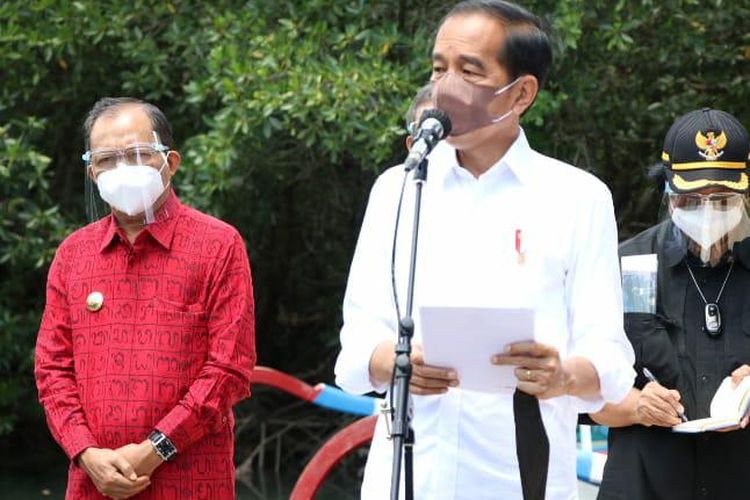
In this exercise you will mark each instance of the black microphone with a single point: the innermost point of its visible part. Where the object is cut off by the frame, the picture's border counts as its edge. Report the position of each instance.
(434, 127)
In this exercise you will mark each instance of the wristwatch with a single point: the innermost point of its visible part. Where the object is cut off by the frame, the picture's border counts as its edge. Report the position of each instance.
(163, 446)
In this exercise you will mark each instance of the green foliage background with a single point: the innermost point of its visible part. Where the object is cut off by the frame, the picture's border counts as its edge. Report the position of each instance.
(285, 112)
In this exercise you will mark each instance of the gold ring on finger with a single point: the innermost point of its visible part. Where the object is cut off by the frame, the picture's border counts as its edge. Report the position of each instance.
(528, 375)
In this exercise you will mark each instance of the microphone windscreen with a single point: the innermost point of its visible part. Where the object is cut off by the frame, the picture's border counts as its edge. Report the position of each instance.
(440, 116)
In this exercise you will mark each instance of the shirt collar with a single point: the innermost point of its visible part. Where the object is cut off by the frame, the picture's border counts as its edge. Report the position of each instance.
(110, 232)
(161, 230)
(516, 159)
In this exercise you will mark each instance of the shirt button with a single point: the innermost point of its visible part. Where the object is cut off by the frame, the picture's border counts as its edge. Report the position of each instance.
(704, 491)
(94, 301)
(704, 378)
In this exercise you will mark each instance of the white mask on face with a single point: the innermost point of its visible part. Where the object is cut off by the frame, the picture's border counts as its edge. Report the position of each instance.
(706, 225)
(131, 189)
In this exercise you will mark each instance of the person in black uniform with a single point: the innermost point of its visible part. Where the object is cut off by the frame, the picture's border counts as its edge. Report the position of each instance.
(700, 331)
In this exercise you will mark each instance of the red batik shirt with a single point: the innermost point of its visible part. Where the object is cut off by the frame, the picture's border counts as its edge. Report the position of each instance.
(172, 347)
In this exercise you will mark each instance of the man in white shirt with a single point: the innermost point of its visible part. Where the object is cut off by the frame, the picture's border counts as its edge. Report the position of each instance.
(501, 226)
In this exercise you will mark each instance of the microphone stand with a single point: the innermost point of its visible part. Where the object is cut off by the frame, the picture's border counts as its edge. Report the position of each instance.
(402, 432)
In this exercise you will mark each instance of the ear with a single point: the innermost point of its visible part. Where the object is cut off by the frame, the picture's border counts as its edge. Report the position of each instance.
(526, 92)
(409, 141)
(173, 162)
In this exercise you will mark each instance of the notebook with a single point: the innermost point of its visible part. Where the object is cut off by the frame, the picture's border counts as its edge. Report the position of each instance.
(728, 406)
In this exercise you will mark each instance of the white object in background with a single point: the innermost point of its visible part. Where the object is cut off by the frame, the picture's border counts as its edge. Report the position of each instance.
(639, 283)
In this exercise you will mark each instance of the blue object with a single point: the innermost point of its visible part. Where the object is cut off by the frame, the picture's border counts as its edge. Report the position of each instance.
(336, 399)
(583, 465)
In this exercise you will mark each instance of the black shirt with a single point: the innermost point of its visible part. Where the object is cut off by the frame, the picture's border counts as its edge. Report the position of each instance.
(653, 462)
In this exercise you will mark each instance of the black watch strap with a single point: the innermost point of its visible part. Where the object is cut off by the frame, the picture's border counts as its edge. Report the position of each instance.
(163, 446)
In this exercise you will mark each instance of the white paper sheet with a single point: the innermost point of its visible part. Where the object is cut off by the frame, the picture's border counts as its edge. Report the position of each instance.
(465, 338)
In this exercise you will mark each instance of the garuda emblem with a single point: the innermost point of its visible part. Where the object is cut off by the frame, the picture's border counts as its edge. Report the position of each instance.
(710, 145)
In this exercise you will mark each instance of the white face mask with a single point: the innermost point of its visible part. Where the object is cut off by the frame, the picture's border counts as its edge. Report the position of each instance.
(706, 225)
(131, 189)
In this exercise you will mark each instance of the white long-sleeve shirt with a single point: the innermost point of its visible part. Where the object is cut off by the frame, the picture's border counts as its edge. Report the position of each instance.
(468, 256)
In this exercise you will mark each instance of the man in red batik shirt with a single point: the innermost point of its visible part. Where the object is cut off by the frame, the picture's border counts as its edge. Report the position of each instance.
(147, 338)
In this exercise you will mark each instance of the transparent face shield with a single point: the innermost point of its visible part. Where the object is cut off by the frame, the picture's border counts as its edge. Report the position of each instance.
(128, 180)
(710, 223)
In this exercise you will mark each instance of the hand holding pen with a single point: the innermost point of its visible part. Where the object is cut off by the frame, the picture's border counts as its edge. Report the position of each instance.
(658, 405)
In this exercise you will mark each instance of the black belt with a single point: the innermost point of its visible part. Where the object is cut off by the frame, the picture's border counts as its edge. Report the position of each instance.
(532, 445)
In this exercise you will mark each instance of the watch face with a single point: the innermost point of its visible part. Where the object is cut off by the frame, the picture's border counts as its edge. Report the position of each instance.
(166, 449)
(163, 446)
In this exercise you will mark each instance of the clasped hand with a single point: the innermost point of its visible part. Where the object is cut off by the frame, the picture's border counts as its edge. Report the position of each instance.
(120, 473)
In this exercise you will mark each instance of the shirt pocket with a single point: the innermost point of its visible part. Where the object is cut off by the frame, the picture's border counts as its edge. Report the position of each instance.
(540, 263)
(181, 336)
(169, 306)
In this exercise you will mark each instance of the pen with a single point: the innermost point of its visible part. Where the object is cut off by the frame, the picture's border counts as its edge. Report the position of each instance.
(520, 249)
(647, 373)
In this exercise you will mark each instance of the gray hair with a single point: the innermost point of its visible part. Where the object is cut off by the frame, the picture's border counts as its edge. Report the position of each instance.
(110, 106)
(423, 96)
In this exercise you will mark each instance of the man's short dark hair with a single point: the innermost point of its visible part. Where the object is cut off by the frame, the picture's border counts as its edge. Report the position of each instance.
(526, 49)
(423, 96)
(110, 105)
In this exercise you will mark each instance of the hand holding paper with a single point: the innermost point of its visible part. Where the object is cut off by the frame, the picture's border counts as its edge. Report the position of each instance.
(539, 368)
(427, 379)
(473, 341)
(465, 338)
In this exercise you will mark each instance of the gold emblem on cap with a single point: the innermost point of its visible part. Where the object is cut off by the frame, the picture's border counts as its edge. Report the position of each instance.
(94, 301)
(710, 145)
